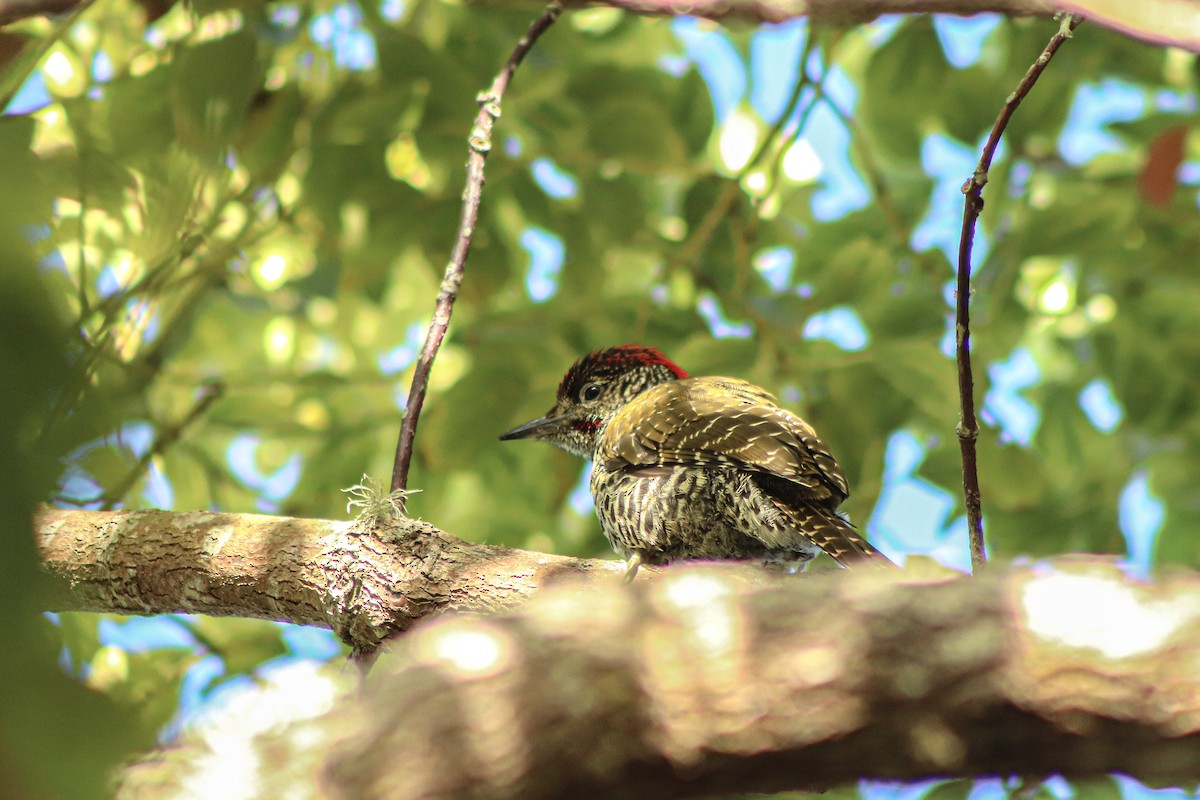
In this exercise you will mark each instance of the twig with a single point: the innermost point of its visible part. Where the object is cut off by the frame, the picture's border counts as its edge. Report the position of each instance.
(207, 395)
(164, 274)
(968, 426)
(870, 167)
(480, 143)
(803, 80)
(792, 105)
(690, 249)
(19, 68)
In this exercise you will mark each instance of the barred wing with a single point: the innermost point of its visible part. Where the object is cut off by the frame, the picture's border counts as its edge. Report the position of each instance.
(722, 421)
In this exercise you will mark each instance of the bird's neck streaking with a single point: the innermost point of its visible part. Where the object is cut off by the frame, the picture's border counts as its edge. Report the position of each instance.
(629, 385)
(620, 374)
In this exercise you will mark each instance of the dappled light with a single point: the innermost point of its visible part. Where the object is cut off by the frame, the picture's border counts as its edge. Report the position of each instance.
(289, 697)
(1104, 613)
(471, 650)
(240, 254)
(707, 605)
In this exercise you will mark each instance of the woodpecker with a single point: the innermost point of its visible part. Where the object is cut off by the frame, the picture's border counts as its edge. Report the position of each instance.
(698, 468)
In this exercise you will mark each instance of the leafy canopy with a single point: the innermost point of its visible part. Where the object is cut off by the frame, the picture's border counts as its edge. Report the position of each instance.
(228, 225)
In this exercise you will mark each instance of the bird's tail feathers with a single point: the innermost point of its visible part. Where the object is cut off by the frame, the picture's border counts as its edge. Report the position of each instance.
(836, 536)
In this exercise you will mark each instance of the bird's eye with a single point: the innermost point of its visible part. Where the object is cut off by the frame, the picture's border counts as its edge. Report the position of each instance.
(590, 392)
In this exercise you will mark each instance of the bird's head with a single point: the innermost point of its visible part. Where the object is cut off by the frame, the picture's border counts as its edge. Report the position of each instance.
(592, 391)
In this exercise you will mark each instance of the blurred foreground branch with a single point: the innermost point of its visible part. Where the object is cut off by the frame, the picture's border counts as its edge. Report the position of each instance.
(13, 10)
(694, 685)
(1162, 22)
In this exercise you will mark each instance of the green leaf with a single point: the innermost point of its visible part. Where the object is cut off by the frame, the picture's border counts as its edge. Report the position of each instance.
(26, 200)
(950, 790)
(898, 88)
(212, 90)
(1097, 789)
(243, 644)
(918, 371)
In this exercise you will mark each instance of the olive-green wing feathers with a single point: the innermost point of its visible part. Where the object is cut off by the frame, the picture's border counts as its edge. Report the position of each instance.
(715, 422)
(722, 421)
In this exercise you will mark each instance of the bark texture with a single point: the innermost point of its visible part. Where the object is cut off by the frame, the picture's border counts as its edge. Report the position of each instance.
(365, 585)
(697, 684)
(689, 687)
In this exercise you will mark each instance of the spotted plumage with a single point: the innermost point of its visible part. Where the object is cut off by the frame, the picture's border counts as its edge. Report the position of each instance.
(698, 468)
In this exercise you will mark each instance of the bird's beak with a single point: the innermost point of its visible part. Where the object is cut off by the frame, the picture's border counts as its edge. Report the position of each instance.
(532, 430)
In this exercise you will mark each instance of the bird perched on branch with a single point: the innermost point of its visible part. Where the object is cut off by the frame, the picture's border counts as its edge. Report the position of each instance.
(697, 468)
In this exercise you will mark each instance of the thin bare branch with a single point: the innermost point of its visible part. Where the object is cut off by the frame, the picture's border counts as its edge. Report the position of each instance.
(968, 426)
(480, 145)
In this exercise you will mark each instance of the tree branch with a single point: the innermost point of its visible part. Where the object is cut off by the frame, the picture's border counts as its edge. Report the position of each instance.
(365, 586)
(840, 12)
(13, 10)
(167, 435)
(480, 145)
(1160, 22)
(690, 686)
(968, 426)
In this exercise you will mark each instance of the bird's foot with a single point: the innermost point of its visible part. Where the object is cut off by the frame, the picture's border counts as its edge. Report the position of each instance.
(631, 567)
